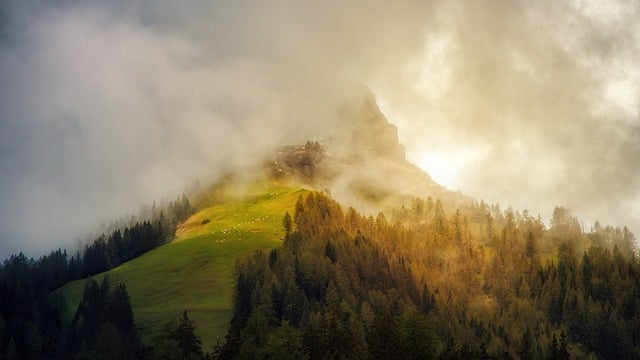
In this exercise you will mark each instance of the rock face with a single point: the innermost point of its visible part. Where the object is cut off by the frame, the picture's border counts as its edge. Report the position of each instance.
(358, 134)
(363, 131)
(359, 158)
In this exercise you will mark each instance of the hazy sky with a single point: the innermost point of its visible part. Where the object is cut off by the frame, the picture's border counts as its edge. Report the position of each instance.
(107, 105)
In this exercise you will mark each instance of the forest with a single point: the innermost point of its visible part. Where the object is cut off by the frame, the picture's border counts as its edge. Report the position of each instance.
(427, 285)
(32, 314)
(429, 282)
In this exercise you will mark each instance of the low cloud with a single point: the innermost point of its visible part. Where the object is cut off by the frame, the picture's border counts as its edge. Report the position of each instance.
(537, 102)
(105, 106)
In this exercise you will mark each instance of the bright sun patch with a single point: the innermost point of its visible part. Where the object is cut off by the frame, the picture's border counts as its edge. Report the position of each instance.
(444, 165)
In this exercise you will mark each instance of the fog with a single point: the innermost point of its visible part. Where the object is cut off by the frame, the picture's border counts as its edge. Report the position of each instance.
(530, 104)
(106, 106)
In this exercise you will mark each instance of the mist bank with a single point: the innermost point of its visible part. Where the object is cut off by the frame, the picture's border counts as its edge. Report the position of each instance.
(108, 106)
(105, 107)
(528, 104)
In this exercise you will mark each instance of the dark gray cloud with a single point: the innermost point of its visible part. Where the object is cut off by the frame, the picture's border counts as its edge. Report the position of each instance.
(105, 106)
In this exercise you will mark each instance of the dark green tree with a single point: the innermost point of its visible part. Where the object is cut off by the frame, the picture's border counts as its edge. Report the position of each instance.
(531, 246)
(119, 309)
(187, 338)
(11, 353)
(34, 343)
(558, 350)
(417, 336)
(330, 252)
(287, 223)
(109, 344)
(524, 348)
(384, 338)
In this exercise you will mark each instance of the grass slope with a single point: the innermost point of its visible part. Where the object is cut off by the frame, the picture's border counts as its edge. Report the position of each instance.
(195, 271)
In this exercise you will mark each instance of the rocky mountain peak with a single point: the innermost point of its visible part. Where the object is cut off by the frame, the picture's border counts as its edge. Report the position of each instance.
(363, 131)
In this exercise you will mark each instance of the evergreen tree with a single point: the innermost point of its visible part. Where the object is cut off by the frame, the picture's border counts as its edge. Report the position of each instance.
(524, 348)
(330, 253)
(119, 310)
(417, 337)
(109, 344)
(384, 339)
(531, 249)
(34, 343)
(187, 339)
(287, 223)
(563, 352)
(12, 353)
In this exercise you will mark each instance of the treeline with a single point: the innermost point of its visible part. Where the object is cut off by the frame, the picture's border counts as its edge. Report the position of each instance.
(28, 307)
(433, 284)
(330, 292)
(107, 252)
(103, 328)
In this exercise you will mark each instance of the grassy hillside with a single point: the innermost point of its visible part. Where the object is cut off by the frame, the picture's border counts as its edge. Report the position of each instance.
(195, 271)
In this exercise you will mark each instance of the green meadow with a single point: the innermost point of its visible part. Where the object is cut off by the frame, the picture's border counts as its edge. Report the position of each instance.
(195, 272)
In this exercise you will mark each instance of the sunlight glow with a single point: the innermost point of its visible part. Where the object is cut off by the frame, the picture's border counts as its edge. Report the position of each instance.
(445, 165)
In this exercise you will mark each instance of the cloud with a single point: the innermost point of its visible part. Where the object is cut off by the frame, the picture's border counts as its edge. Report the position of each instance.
(105, 106)
(108, 106)
(545, 95)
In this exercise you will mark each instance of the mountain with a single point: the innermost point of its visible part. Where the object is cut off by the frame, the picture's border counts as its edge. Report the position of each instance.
(335, 248)
(361, 156)
(360, 160)
(362, 131)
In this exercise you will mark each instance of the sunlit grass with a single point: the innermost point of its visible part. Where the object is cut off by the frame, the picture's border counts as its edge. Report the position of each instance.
(195, 271)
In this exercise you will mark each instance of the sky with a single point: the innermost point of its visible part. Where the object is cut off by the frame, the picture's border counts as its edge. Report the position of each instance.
(109, 105)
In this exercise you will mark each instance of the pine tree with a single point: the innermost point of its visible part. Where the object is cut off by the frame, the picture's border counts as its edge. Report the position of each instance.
(524, 348)
(531, 248)
(563, 352)
(286, 223)
(553, 352)
(330, 252)
(187, 338)
(11, 353)
(384, 338)
(417, 336)
(34, 343)
(119, 309)
(109, 343)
